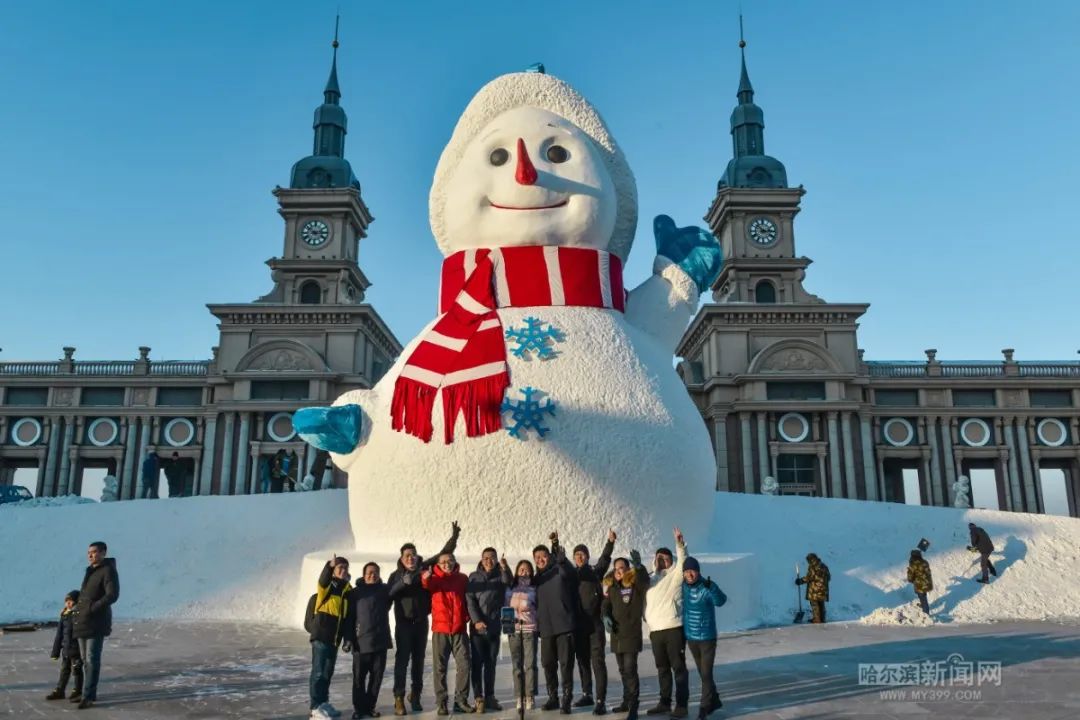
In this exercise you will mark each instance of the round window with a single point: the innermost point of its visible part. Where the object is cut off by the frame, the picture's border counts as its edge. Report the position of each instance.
(1052, 432)
(102, 432)
(179, 432)
(279, 427)
(975, 432)
(898, 432)
(793, 427)
(26, 432)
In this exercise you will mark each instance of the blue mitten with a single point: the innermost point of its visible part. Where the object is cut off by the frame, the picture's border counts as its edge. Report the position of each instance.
(693, 249)
(336, 429)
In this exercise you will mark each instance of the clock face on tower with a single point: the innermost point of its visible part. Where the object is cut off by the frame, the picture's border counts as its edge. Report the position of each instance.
(761, 231)
(314, 233)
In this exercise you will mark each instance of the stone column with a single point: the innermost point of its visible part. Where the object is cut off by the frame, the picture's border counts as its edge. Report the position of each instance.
(763, 447)
(243, 452)
(835, 488)
(747, 454)
(869, 477)
(65, 456)
(144, 441)
(950, 463)
(253, 482)
(1005, 428)
(821, 470)
(52, 457)
(209, 441)
(1031, 489)
(849, 456)
(720, 443)
(935, 461)
(127, 483)
(227, 455)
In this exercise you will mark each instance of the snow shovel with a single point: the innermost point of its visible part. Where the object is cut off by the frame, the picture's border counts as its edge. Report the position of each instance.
(800, 614)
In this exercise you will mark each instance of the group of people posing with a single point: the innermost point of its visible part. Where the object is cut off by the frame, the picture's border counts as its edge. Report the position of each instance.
(565, 604)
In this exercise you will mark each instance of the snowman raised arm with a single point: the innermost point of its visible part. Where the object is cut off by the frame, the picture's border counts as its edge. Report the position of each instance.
(534, 206)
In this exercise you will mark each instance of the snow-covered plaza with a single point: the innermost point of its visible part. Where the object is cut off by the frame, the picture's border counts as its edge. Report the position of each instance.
(218, 670)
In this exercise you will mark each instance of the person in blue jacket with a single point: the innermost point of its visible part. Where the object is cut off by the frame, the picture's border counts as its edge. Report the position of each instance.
(700, 598)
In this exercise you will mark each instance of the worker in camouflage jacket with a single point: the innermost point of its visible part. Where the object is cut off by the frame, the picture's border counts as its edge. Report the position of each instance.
(918, 574)
(816, 581)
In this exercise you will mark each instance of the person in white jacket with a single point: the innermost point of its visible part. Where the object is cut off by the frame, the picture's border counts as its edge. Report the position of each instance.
(663, 615)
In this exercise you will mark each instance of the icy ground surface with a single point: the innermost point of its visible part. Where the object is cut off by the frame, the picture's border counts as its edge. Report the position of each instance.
(221, 670)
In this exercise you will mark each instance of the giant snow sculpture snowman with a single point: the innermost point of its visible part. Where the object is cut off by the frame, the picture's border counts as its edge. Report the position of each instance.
(543, 395)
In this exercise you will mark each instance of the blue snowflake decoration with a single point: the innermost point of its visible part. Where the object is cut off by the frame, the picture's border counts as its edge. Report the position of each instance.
(534, 337)
(527, 413)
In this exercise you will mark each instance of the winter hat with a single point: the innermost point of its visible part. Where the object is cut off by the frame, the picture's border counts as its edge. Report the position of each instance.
(581, 547)
(916, 555)
(691, 564)
(532, 89)
(73, 596)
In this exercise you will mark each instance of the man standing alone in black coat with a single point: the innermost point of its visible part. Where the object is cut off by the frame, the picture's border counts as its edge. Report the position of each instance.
(589, 634)
(93, 615)
(982, 544)
(556, 617)
(367, 637)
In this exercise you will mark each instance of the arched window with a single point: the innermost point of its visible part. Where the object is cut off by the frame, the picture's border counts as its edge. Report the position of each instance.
(310, 293)
(765, 292)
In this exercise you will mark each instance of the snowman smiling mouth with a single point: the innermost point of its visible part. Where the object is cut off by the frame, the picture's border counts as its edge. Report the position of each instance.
(536, 207)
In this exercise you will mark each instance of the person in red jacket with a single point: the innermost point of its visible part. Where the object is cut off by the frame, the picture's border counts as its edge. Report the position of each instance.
(449, 620)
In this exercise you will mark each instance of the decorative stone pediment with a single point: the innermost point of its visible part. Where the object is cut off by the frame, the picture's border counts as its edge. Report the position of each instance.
(281, 356)
(796, 357)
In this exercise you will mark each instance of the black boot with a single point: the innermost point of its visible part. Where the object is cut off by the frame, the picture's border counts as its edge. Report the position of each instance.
(551, 704)
(600, 708)
(621, 707)
(661, 708)
(56, 694)
(567, 704)
(632, 712)
(414, 702)
(584, 701)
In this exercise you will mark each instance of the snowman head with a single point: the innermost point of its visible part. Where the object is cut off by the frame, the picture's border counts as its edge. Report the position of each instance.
(531, 162)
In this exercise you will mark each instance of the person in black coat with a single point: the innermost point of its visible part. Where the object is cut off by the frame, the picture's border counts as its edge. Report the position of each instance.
(589, 634)
(66, 650)
(982, 544)
(367, 637)
(93, 615)
(484, 597)
(412, 606)
(623, 610)
(557, 605)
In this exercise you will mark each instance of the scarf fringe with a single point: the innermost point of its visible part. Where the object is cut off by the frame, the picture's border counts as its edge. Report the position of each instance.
(480, 400)
(411, 407)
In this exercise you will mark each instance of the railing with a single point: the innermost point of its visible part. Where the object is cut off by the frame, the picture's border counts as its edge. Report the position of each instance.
(179, 367)
(104, 368)
(1063, 368)
(900, 369)
(29, 368)
(972, 369)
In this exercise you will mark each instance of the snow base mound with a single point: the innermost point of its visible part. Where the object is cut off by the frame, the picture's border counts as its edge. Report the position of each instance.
(910, 614)
(58, 501)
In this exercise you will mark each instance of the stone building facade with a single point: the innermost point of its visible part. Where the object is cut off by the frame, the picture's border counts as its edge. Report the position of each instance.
(780, 380)
(311, 338)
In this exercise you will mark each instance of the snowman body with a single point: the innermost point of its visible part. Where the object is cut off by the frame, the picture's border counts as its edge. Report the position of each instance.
(532, 164)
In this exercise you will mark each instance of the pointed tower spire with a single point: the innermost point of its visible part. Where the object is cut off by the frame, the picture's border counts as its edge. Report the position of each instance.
(327, 166)
(332, 93)
(750, 166)
(746, 90)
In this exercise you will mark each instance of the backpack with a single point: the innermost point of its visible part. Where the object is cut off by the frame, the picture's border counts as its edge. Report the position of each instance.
(309, 614)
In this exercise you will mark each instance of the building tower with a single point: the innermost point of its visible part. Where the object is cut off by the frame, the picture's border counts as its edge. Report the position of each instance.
(772, 367)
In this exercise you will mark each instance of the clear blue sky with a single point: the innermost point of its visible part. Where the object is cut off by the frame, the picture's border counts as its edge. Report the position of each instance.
(937, 142)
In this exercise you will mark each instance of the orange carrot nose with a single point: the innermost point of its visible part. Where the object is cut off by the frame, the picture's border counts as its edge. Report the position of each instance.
(525, 173)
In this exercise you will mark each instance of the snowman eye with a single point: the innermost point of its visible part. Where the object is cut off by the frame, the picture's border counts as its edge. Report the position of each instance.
(499, 156)
(558, 154)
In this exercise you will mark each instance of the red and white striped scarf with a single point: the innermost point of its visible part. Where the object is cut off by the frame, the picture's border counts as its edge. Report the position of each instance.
(464, 354)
